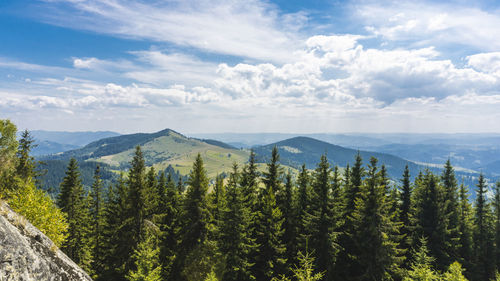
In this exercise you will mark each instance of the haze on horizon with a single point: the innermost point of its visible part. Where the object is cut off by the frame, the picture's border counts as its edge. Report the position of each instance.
(251, 66)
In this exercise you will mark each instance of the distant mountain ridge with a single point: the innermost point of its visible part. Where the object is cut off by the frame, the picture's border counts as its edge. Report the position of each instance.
(168, 149)
(305, 150)
(71, 138)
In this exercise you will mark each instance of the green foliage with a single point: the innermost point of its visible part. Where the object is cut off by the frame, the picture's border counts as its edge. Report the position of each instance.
(465, 227)
(75, 204)
(211, 276)
(421, 269)
(147, 263)
(405, 216)
(375, 232)
(97, 225)
(235, 243)
(431, 219)
(25, 168)
(321, 220)
(452, 211)
(39, 209)
(304, 198)
(168, 221)
(483, 234)
(496, 218)
(196, 251)
(305, 271)
(454, 273)
(269, 260)
(8, 161)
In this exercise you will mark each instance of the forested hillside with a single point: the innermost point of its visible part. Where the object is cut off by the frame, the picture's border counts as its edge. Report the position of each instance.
(320, 225)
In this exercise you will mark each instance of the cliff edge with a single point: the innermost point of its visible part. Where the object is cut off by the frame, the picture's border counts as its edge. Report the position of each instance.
(27, 254)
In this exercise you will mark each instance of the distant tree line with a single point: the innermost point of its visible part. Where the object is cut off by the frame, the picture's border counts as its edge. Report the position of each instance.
(325, 224)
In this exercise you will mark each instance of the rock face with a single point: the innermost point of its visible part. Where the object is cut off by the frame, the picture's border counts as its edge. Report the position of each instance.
(27, 254)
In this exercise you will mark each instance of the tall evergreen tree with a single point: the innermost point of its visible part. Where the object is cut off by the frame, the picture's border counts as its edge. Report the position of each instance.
(135, 213)
(115, 213)
(421, 267)
(151, 194)
(346, 266)
(25, 168)
(496, 217)
(430, 216)
(304, 198)
(375, 232)
(235, 242)
(217, 199)
(483, 236)
(465, 228)
(195, 218)
(321, 219)
(451, 211)
(289, 222)
(98, 221)
(405, 216)
(270, 259)
(74, 203)
(169, 223)
(146, 259)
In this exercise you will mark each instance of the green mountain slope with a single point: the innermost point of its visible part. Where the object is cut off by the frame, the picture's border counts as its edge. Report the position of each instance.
(161, 149)
(304, 150)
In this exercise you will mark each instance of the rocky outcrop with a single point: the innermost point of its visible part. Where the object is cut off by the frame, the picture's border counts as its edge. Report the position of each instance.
(27, 254)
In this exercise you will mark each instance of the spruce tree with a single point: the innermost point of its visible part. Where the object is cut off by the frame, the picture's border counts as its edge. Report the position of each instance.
(421, 267)
(25, 168)
(289, 221)
(135, 213)
(195, 220)
(496, 217)
(431, 219)
(483, 236)
(169, 223)
(217, 199)
(115, 246)
(451, 211)
(235, 242)
(269, 260)
(346, 266)
(303, 208)
(405, 216)
(249, 182)
(146, 259)
(465, 229)
(151, 194)
(375, 233)
(321, 223)
(73, 201)
(98, 222)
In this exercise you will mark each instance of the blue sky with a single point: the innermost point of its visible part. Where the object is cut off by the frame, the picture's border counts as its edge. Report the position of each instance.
(251, 66)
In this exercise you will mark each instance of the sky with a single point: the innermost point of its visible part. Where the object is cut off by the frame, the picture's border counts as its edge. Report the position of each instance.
(251, 66)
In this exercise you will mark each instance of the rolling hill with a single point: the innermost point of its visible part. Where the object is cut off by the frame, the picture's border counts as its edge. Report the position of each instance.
(304, 150)
(162, 150)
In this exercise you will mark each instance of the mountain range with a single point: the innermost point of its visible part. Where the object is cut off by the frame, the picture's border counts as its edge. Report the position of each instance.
(175, 152)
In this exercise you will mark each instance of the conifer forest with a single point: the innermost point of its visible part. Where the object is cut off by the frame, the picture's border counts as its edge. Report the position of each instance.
(327, 223)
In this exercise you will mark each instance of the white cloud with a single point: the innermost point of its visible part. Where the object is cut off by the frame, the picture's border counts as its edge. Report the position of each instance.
(333, 83)
(85, 63)
(252, 29)
(485, 62)
(431, 23)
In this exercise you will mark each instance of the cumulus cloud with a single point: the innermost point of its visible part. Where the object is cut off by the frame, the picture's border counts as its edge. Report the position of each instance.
(485, 62)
